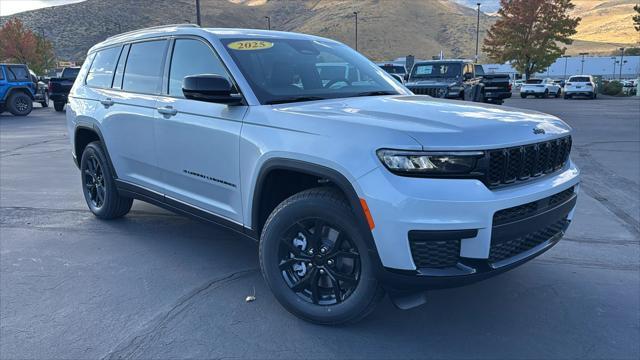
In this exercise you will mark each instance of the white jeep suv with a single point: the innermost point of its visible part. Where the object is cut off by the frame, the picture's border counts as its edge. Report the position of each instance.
(353, 189)
(581, 85)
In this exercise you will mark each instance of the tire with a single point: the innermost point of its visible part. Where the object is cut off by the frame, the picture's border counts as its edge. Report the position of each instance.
(59, 106)
(19, 104)
(546, 94)
(524, 96)
(45, 102)
(295, 219)
(566, 97)
(98, 185)
(558, 93)
(594, 96)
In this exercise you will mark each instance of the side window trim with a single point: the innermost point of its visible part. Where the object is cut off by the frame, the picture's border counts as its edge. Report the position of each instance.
(125, 49)
(165, 89)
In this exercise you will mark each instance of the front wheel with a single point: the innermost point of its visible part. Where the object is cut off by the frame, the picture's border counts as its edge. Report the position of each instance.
(314, 258)
(524, 96)
(99, 186)
(58, 105)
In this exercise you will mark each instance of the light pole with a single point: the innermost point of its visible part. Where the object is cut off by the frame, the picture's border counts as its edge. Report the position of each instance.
(198, 12)
(477, 32)
(621, 62)
(566, 58)
(268, 22)
(615, 61)
(356, 18)
(582, 66)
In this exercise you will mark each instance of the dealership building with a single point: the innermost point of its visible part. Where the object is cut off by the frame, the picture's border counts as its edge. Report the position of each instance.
(608, 67)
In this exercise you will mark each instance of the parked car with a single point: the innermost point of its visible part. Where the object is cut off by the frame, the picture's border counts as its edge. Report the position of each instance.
(496, 87)
(581, 85)
(59, 87)
(540, 88)
(16, 89)
(451, 79)
(395, 69)
(352, 191)
(458, 79)
(517, 84)
(41, 94)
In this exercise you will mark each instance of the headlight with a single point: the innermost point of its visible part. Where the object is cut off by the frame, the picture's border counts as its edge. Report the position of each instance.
(429, 163)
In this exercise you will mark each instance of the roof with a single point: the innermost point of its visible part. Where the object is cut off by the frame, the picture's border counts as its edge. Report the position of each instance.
(191, 29)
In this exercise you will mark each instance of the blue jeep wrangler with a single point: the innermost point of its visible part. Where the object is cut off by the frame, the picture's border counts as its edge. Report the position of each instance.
(16, 89)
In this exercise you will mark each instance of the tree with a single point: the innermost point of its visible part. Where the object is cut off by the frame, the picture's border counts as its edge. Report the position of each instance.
(19, 44)
(636, 17)
(528, 33)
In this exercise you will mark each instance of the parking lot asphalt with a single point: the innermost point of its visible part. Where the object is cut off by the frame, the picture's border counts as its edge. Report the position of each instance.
(159, 285)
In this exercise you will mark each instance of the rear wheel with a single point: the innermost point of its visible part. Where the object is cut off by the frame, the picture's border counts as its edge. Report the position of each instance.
(314, 258)
(99, 186)
(58, 105)
(524, 96)
(19, 104)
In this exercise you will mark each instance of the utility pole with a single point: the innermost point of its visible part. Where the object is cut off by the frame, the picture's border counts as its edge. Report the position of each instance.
(268, 22)
(621, 62)
(566, 58)
(198, 13)
(477, 32)
(356, 14)
(582, 66)
(615, 61)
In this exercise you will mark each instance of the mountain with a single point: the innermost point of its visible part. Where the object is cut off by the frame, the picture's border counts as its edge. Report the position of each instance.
(386, 28)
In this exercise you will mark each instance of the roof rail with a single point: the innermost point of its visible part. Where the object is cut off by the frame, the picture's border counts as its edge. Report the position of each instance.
(153, 27)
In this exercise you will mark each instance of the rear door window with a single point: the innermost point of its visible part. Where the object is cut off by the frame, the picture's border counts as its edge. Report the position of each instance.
(17, 73)
(101, 71)
(143, 72)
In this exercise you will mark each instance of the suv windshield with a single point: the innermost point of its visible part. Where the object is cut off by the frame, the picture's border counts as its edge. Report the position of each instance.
(436, 70)
(289, 70)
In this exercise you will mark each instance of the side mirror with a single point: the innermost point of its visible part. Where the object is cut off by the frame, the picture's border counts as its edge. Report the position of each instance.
(210, 88)
(468, 76)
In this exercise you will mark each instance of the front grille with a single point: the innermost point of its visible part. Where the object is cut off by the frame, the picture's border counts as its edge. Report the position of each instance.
(435, 254)
(511, 214)
(510, 248)
(507, 166)
(424, 91)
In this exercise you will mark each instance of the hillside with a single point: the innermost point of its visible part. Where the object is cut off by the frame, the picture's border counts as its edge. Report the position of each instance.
(387, 28)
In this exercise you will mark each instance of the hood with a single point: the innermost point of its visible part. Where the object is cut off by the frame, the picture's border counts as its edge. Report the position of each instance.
(436, 124)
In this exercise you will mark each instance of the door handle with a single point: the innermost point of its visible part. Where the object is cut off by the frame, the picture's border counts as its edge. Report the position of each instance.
(107, 102)
(167, 110)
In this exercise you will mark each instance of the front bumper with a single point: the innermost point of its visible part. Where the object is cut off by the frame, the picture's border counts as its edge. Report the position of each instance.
(462, 211)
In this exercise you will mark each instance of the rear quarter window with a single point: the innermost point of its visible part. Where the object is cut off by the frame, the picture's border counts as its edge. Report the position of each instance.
(101, 71)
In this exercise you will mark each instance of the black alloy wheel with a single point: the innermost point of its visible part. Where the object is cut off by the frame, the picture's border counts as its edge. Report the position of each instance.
(319, 262)
(93, 179)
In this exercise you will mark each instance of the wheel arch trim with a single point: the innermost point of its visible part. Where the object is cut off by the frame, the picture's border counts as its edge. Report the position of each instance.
(93, 128)
(334, 176)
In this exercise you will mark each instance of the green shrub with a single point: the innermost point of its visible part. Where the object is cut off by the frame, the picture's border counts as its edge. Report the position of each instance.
(612, 88)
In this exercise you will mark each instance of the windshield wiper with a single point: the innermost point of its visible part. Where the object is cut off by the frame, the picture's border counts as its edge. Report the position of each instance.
(294, 99)
(377, 92)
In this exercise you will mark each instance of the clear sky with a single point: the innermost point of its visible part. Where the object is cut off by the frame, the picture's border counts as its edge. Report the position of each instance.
(8, 7)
